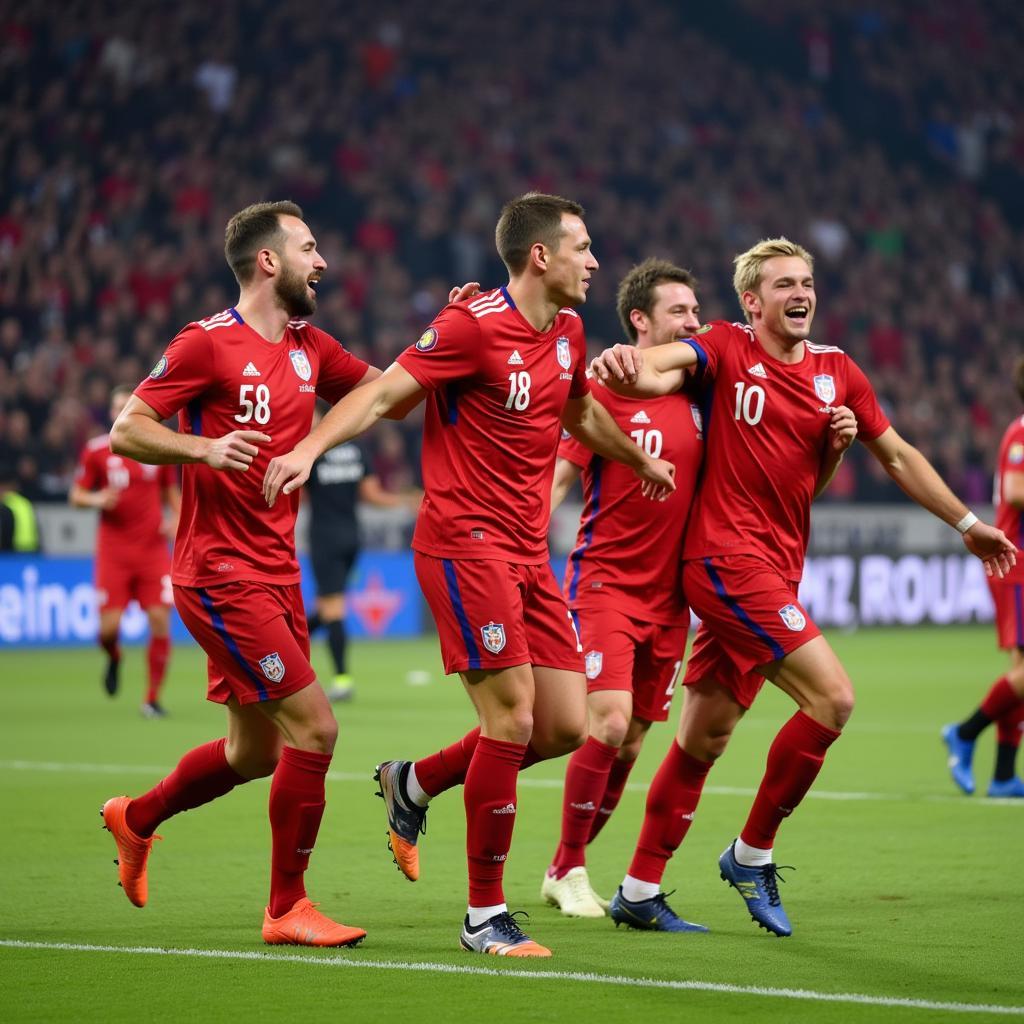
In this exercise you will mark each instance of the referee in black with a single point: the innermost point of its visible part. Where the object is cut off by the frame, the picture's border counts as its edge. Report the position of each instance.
(339, 480)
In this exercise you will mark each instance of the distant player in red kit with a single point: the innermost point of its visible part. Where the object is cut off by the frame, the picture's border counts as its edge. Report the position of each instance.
(772, 396)
(502, 372)
(244, 383)
(1004, 702)
(133, 560)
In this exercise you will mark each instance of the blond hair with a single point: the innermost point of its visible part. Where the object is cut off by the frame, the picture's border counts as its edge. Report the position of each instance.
(747, 275)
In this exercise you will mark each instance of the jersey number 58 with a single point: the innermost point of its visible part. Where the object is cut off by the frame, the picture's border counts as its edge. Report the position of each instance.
(258, 410)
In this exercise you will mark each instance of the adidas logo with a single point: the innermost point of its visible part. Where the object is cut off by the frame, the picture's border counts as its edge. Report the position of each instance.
(641, 417)
(250, 371)
(515, 359)
(757, 371)
(507, 809)
(588, 806)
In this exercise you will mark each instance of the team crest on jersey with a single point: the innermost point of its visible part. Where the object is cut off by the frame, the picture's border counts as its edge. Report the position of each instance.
(427, 340)
(563, 353)
(825, 387)
(593, 663)
(160, 369)
(493, 635)
(273, 667)
(792, 617)
(698, 419)
(300, 364)
(1016, 454)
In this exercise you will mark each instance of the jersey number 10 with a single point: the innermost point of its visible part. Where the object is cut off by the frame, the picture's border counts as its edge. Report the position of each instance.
(749, 402)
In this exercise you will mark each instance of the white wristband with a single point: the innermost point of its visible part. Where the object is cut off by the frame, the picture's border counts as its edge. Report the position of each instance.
(966, 523)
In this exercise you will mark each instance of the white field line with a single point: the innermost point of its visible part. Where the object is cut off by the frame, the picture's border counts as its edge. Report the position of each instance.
(807, 995)
(526, 781)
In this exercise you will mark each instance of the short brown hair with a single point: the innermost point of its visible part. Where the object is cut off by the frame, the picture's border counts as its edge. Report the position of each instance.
(256, 227)
(534, 217)
(747, 275)
(636, 289)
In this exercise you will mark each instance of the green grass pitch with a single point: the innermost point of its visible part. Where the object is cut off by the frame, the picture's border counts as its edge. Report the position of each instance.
(905, 894)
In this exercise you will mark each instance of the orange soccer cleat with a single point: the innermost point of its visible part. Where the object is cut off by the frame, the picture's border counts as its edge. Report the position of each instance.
(304, 925)
(132, 850)
(406, 821)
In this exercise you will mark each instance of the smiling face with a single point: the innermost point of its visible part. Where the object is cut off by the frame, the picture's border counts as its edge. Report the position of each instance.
(784, 301)
(567, 268)
(674, 315)
(300, 268)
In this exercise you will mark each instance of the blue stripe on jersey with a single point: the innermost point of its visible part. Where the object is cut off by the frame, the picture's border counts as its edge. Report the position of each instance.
(460, 613)
(508, 298)
(596, 466)
(734, 607)
(238, 316)
(195, 417)
(702, 359)
(229, 643)
(451, 399)
(1018, 609)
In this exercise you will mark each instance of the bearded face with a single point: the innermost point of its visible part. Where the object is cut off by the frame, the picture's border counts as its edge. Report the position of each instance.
(294, 292)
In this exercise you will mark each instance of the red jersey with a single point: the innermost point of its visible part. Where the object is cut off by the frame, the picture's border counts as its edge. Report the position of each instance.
(629, 548)
(767, 428)
(1009, 519)
(493, 420)
(219, 375)
(128, 531)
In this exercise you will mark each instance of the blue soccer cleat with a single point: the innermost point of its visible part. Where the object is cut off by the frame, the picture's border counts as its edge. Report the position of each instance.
(961, 753)
(1008, 788)
(759, 888)
(653, 915)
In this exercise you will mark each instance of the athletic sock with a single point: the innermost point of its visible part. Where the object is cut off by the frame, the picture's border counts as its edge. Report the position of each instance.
(671, 803)
(313, 622)
(490, 798)
(586, 779)
(296, 807)
(613, 791)
(636, 891)
(448, 767)
(337, 641)
(112, 647)
(157, 655)
(999, 701)
(202, 775)
(794, 760)
(1008, 737)
(481, 915)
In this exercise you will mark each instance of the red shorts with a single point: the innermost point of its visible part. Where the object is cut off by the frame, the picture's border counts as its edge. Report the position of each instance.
(749, 615)
(493, 614)
(623, 653)
(1009, 603)
(255, 638)
(147, 580)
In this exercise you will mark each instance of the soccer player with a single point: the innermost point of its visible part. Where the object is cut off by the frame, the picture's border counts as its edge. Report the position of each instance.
(501, 372)
(773, 393)
(132, 555)
(340, 478)
(244, 383)
(623, 581)
(1004, 702)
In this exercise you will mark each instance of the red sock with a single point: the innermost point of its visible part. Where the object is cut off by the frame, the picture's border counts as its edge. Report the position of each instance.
(448, 767)
(112, 648)
(157, 655)
(490, 798)
(586, 779)
(202, 775)
(1008, 728)
(296, 807)
(671, 802)
(1000, 700)
(617, 779)
(794, 760)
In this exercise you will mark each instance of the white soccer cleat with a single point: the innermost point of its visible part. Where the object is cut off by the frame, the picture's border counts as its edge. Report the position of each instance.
(572, 894)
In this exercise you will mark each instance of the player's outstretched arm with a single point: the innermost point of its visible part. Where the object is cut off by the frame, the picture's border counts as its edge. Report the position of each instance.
(103, 499)
(660, 370)
(139, 434)
(591, 424)
(566, 474)
(919, 480)
(355, 413)
(842, 433)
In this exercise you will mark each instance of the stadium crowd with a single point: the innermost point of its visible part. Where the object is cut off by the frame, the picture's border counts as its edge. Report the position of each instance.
(887, 139)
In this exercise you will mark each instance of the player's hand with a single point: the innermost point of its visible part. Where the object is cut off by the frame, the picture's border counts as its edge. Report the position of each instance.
(285, 473)
(844, 428)
(467, 291)
(620, 362)
(107, 498)
(659, 479)
(235, 450)
(993, 547)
